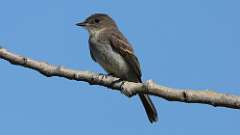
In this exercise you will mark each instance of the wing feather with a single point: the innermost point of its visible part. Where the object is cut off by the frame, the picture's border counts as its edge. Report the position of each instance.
(120, 44)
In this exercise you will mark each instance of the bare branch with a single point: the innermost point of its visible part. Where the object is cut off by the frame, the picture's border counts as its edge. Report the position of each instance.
(128, 88)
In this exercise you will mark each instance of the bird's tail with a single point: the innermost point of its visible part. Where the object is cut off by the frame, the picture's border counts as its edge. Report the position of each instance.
(149, 108)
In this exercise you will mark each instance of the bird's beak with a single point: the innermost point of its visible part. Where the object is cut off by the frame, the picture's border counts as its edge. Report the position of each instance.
(82, 24)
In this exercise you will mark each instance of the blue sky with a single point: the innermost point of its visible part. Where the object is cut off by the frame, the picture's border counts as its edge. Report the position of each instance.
(180, 44)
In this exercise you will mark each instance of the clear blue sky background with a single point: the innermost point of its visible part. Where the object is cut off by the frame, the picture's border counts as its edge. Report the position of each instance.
(181, 44)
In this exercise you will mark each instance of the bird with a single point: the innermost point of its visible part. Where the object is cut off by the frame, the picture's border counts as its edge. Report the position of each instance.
(112, 51)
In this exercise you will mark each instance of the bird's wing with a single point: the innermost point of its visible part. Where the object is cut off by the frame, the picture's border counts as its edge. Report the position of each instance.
(91, 54)
(120, 44)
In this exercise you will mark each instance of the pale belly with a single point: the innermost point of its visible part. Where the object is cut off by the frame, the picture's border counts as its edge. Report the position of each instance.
(111, 61)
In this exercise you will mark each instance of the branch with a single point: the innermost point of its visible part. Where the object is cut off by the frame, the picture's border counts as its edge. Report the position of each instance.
(127, 88)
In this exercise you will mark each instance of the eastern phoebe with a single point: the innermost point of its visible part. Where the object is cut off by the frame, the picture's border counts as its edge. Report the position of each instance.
(110, 49)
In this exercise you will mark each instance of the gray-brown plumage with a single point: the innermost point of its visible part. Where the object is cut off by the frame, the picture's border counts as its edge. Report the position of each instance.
(113, 52)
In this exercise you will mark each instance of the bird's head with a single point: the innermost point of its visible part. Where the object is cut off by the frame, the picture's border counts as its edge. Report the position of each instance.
(97, 22)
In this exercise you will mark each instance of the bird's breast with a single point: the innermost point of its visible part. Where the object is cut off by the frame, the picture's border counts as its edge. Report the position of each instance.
(110, 60)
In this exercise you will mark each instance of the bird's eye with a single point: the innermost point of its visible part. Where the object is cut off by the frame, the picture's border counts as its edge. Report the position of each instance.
(96, 20)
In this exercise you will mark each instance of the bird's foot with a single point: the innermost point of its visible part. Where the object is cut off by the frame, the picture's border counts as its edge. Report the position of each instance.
(106, 75)
(111, 74)
(116, 81)
(124, 91)
(102, 75)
